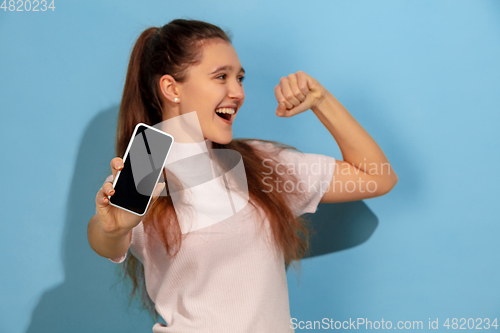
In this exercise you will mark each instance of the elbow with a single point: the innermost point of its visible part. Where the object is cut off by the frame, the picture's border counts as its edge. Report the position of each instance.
(387, 184)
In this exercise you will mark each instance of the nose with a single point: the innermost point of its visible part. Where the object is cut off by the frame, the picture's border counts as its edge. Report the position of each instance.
(236, 90)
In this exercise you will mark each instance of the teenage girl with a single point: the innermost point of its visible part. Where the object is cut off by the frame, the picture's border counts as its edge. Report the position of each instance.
(228, 276)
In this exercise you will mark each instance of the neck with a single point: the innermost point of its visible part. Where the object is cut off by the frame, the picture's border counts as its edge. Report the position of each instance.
(185, 128)
(183, 150)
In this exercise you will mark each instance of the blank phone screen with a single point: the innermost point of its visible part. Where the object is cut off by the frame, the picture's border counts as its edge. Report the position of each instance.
(143, 164)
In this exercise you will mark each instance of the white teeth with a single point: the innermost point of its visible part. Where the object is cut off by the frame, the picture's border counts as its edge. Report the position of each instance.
(225, 110)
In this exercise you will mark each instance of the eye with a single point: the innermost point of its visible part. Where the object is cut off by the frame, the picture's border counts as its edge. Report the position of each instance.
(223, 76)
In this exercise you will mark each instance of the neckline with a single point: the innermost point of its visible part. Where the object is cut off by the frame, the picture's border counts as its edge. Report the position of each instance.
(183, 150)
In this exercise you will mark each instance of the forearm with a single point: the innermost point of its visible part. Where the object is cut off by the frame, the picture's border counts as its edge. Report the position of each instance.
(108, 245)
(356, 145)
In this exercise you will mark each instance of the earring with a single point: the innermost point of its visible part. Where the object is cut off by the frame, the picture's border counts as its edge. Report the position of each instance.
(176, 99)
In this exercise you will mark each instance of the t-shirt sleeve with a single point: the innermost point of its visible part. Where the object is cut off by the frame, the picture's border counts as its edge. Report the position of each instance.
(136, 241)
(314, 174)
(136, 245)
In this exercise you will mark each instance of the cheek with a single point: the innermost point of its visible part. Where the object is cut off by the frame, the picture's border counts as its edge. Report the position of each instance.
(211, 96)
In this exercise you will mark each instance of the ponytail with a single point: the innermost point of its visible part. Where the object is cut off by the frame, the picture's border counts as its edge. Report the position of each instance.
(133, 109)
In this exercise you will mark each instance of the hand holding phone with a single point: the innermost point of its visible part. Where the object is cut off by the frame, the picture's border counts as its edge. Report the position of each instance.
(114, 219)
(121, 204)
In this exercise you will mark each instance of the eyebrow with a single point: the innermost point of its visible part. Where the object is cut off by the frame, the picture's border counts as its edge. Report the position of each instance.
(225, 67)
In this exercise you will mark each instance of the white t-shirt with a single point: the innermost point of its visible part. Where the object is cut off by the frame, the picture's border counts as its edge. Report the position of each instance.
(227, 277)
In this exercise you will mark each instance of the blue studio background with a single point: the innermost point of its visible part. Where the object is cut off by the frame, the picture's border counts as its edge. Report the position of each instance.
(422, 77)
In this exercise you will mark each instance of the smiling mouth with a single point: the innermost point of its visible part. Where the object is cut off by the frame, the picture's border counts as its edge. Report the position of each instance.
(225, 113)
(226, 116)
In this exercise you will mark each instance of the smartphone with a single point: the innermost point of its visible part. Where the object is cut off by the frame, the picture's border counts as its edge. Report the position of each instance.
(143, 162)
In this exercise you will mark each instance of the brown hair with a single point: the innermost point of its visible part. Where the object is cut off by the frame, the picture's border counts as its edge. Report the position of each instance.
(172, 49)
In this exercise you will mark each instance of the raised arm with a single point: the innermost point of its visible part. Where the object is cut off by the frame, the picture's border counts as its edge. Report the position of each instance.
(365, 171)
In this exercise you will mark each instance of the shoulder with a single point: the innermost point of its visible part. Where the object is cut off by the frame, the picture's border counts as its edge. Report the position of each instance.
(269, 146)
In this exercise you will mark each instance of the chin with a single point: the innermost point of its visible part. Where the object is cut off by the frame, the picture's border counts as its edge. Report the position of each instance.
(223, 140)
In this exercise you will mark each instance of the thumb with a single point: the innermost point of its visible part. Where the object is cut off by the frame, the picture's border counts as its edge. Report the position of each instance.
(281, 109)
(158, 189)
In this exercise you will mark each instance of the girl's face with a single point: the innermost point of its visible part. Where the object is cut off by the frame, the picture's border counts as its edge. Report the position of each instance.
(211, 85)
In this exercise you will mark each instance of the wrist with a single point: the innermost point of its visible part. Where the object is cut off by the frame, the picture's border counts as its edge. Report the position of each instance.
(325, 98)
(112, 232)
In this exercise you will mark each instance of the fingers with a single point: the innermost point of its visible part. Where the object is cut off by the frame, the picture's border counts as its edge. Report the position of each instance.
(286, 91)
(116, 165)
(292, 91)
(101, 199)
(302, 84)
(107, 189)
(294, 88)
(156, 193)
(281, 99)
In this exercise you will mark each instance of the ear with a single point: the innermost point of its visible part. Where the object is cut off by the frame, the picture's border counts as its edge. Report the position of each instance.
(168, 88)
